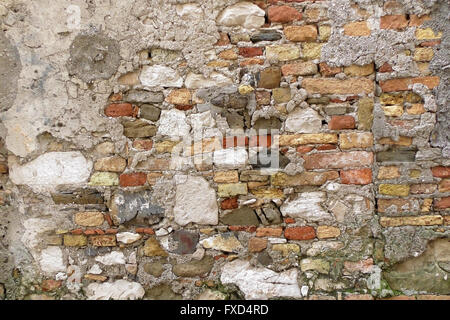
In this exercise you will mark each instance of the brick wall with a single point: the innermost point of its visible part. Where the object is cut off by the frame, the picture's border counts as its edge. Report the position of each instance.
(177, 202)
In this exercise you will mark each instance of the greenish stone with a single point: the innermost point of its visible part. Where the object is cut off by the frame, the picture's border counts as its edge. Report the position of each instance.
(149, 112)
(162, 292)
(321, 100)
(396, 156)
(241, 217)
(104, 179)
(138, 129)
(319, 265)
(154, 268)
(194, 268)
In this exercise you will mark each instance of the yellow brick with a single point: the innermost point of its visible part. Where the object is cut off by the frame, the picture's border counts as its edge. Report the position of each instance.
(359, 71)
(414, 173)
(232, 189)
(226, 176)
(244, 89)
(218, 64)
(390, 172)
(400, 190)
(165, 146)
(427, 34)
(423, 54)
(325, 232)
(411, 221)
(75, 240)
(307, 138)
(311, 50)
(89, 218)
(355, 140)
(402, 141)
(393, 111)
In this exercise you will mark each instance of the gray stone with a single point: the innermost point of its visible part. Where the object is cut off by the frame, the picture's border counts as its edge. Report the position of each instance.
(126, 206)
(78, 196)
(235, 120)
(10, 67)
(264, 258)
(234, 101)
(194, 268)
(140, 96)
(396, 156)
(269, 215)
(149, 112)
(93, 57)
(187, 241)
(267, 124)
(267, 35)
(241, 217)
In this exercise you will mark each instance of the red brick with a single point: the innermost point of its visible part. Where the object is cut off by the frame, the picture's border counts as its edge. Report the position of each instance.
(111, 231)
(283, 14)
(326, 147)
(300, 233)
(250, 229)
(431, 43)
(50, 285)
(396, 22)
(121, 110)
(441, 172)
(230, 203)
(145, 230)
(304, 149)
(289, 220)
(184, 107)
(249, 52)
(142, 144)
(76, 231)
(269, 232)
(356, 176)
(341, 122)
(403, 83)
(234, 141)
(132, 179)
(328, 71)
(338, 160)
(260, 141)
(441, 204)
(386, 67)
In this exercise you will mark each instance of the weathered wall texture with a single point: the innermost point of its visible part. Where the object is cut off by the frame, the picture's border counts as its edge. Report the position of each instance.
(104, 193)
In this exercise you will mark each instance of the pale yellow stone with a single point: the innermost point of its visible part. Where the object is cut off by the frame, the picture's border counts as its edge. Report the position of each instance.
(324, 33)
(165, 146)
(423, 54)
(226, 176)
(89, 218)
(229, 54)
(245, 89)
(400, 190)
(325, 232)
(286, 248)
(393, 111)
(355, 140)
(359, 71)
(411, 221)
(180, 97)
(231, 189)
(426, 205)
(416, 109)
(282, 52)
(268, 193)
(307, 138)
(389, 172)
(218, 64)
(402, 141)
(111, 164)
(311, 50)
(427, 34)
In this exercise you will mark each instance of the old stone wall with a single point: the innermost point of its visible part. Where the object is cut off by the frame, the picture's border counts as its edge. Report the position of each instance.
(204, 149)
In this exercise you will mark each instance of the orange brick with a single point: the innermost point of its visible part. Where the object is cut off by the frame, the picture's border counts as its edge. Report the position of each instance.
(396, 22)
(357, 29)
(300, 233)
(404, 83)
(338, 160)
(357, 176)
